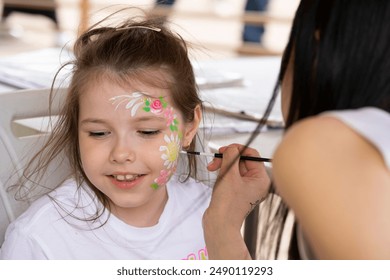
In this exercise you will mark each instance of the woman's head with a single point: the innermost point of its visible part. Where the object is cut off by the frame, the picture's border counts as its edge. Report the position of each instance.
(339, 56)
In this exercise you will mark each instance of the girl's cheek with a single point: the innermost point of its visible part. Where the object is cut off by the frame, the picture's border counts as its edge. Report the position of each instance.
(169, 152)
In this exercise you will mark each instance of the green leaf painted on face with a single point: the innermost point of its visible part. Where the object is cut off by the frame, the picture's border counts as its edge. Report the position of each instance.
(155, 186)
(146, 109)
(173, 127)
(164, 104)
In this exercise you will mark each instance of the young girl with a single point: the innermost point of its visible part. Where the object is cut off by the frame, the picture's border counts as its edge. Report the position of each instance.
(131, 107)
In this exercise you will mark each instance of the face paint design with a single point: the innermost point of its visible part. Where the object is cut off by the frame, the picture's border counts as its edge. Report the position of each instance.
(134, 101)
(171, 119)
(171, 150)
(157, 106)
(164, 177)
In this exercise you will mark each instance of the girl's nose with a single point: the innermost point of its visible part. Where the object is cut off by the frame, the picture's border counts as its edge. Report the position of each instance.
(122, 152)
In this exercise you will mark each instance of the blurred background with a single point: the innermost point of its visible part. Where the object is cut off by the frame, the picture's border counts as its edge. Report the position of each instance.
(215, 27)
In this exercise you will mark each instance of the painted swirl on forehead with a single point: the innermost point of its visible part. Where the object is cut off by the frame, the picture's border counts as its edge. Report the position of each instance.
(170, 151)
(133, 101)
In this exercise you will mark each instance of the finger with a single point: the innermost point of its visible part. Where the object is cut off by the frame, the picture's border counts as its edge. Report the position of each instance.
(215, 164)
(230, 160)
(248, 165)
(245, 165)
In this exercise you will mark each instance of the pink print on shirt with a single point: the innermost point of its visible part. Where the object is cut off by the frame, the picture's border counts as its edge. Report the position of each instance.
(202, 255)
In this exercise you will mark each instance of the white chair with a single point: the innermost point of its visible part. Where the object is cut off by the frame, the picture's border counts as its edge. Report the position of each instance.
(18, 143)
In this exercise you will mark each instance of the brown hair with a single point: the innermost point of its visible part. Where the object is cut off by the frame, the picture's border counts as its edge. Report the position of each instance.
(126, 51)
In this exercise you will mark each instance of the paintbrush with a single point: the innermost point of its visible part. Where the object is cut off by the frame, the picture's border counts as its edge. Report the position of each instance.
(217, 155)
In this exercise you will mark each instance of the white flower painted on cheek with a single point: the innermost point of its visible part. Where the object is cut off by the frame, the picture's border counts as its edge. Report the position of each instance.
(171, 150)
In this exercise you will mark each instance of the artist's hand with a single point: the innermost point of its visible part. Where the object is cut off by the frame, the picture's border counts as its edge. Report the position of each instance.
(240, 186)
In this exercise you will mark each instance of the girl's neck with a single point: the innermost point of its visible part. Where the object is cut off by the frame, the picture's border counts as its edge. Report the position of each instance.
(145, 215)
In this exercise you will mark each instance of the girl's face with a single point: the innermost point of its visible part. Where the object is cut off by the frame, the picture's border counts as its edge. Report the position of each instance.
(129, 145)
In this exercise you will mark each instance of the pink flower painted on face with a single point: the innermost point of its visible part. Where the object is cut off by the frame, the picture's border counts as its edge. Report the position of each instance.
(156, 107)
(169, 115)
(162, 179)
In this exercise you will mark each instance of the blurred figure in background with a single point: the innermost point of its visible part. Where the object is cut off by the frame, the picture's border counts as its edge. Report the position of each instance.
(252, 32)
(45, 8)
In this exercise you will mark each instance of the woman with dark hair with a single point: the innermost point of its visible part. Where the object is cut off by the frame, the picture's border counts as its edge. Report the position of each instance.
(332, 168)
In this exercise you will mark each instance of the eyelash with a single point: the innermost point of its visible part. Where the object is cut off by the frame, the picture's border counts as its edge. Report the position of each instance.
(148, 133)
(98, 134)
(143, 133)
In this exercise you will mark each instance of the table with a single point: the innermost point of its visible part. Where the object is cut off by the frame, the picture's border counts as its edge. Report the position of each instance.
(247, 101)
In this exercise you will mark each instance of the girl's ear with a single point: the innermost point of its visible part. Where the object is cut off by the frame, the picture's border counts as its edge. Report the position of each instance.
(192, 127)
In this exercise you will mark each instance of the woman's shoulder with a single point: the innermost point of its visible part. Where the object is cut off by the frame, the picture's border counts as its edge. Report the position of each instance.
(333, 136)
(311, 133)
(314, 131)
(324, 155)
(324, 144)
(370, 123)
(326, 171)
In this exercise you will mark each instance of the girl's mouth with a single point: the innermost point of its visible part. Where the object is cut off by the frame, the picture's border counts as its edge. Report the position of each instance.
(126, 181)
(125, 177)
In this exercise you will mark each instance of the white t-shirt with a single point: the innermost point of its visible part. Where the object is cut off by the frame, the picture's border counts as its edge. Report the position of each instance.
(45, 231)
(371, 123)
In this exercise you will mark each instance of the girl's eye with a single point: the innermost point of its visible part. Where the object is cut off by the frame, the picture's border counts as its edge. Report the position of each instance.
(148, 132)
(98, 134)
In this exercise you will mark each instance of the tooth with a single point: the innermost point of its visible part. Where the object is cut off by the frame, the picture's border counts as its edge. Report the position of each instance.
(129, 177)
(120, 177)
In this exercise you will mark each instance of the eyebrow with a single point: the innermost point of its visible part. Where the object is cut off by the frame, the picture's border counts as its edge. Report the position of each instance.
(92, 120)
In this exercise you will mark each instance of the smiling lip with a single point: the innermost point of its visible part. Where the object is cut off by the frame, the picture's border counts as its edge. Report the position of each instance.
(126, 184)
